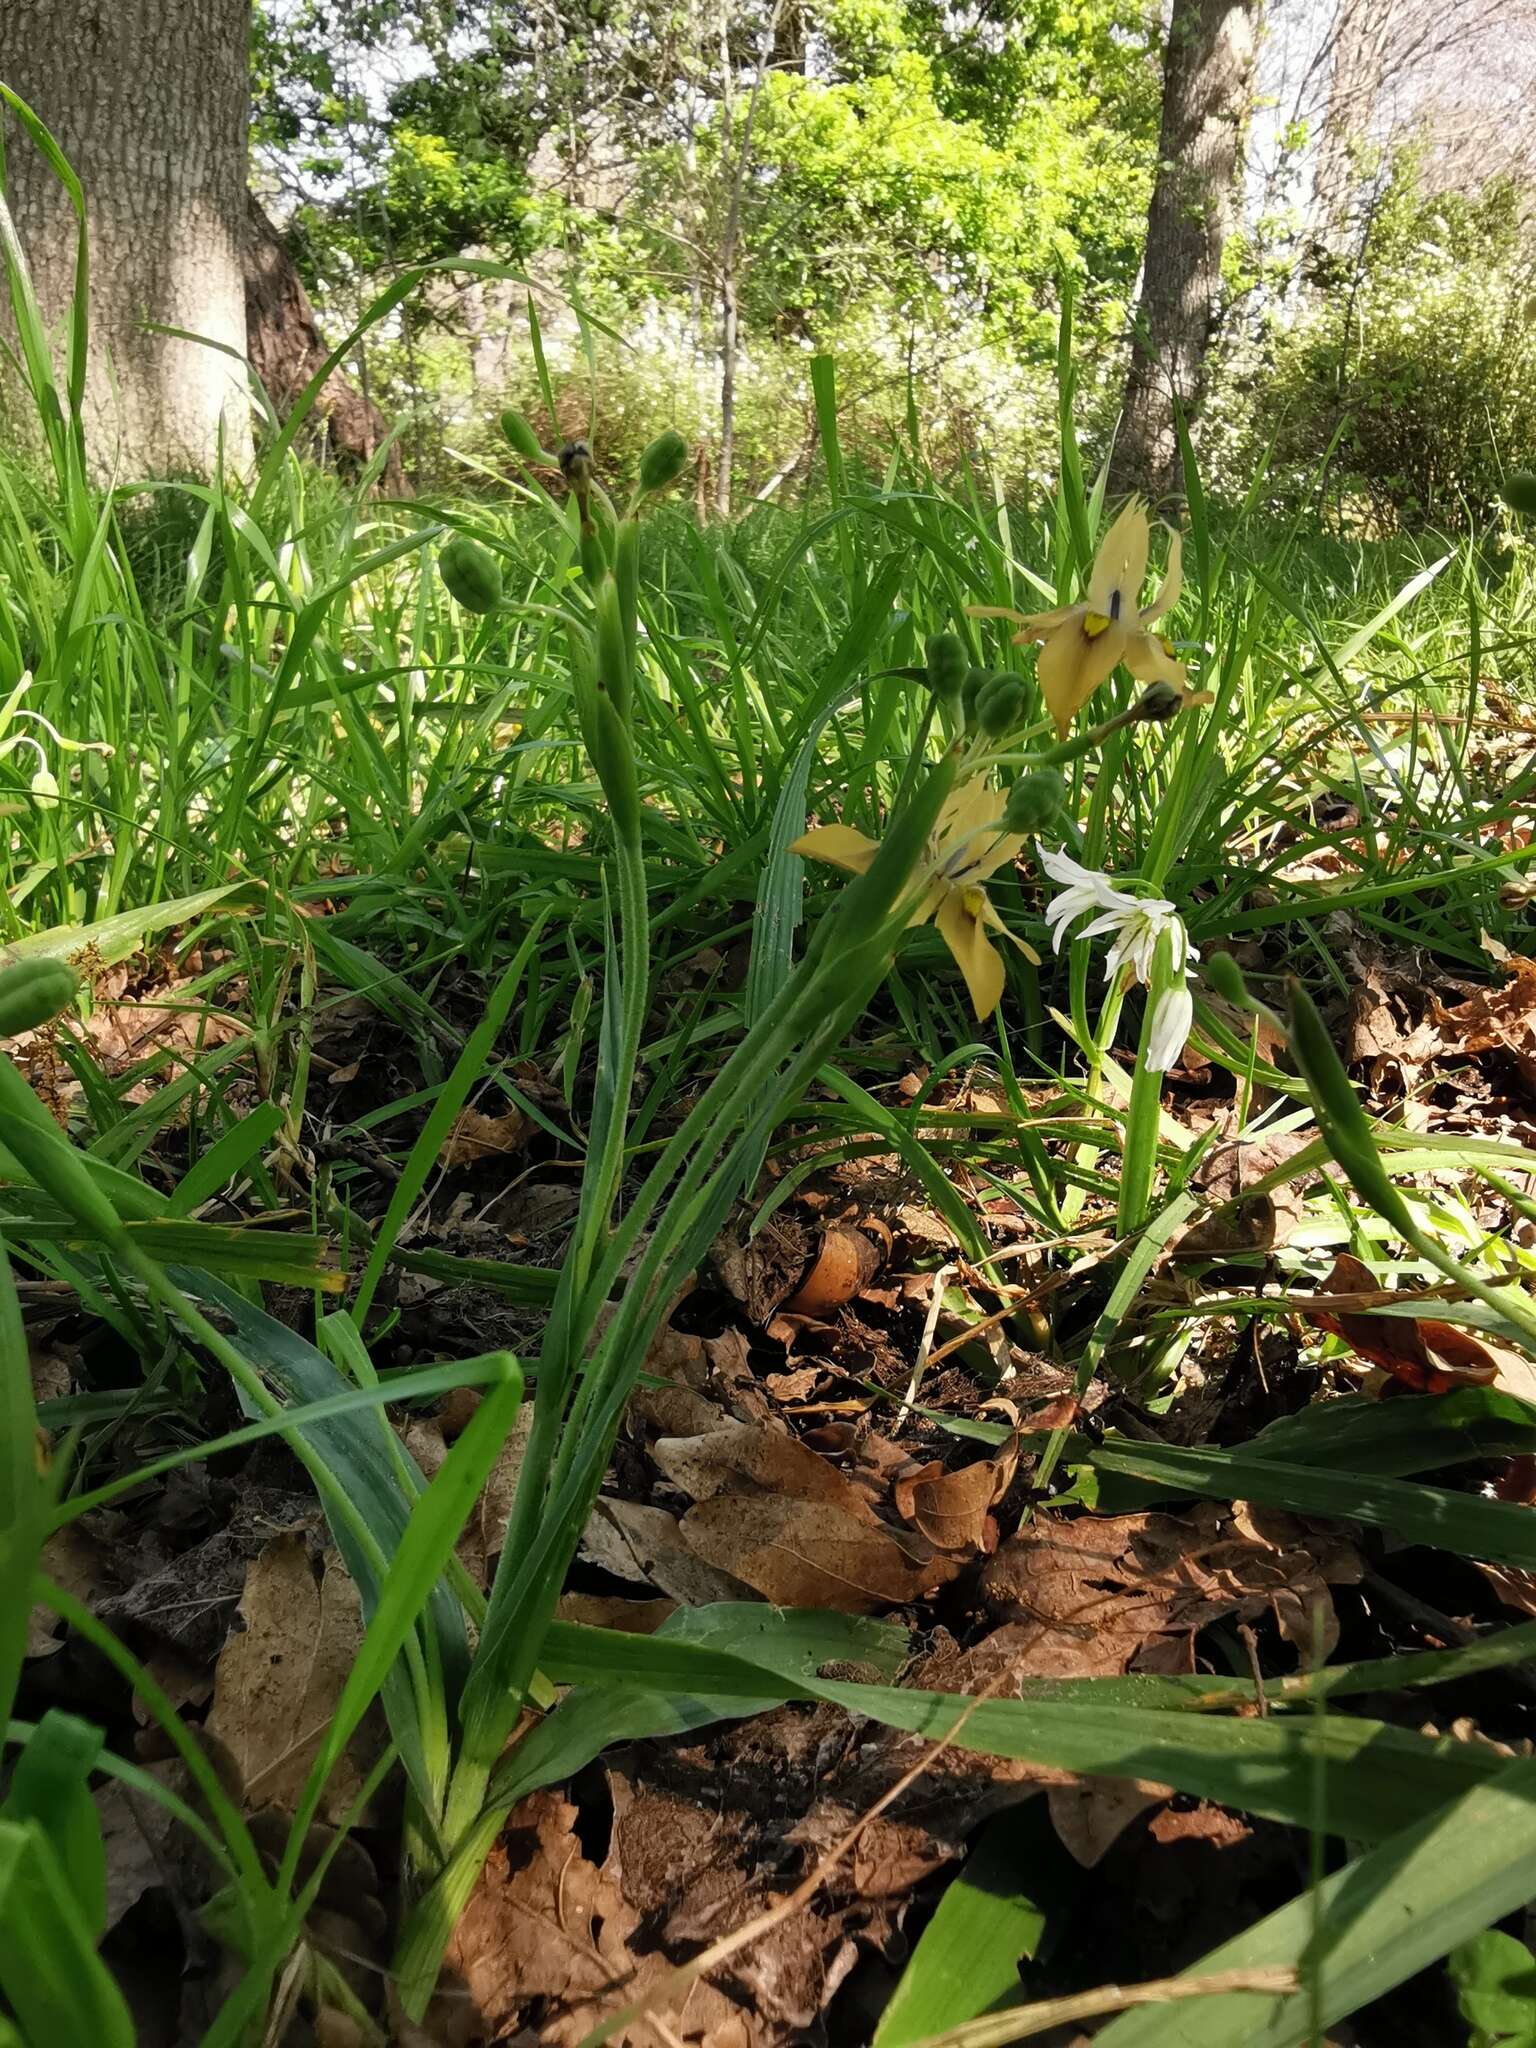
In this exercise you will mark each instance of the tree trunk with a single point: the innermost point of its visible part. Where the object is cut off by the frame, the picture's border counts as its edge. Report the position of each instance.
(148, 100)
(286, 348)
(1207, 91)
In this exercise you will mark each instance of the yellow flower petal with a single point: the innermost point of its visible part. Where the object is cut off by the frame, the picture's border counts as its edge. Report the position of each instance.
(1072, 666)
(1150, 659)
(1168, 596)
(990, 918)
(962, 930)
(1035, 625)
(1120, 566)
(839, 845)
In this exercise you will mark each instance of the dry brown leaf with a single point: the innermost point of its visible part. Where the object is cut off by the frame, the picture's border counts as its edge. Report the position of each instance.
(474, 1137)
(1501, 1019)
(485, 1529)
(645, 1546)
(279, 1678)
(138, 1838)
(1202, 1823)
(72, 1561)
(1102, 1595)
(542, 1948)
(762, 1269)
(800, 1553)
(1400, 1345)
(731, 1374)
(744, 1460)
(950, 1508)
(1092, 1815)
(602, 1610)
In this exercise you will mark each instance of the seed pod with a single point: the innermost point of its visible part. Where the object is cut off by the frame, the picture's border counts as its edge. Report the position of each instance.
(1343, 1125)
(1034, 801)
(976, 680)
(521, 438)
(1226, 977)
(947, 664)
(32, 992)
(662, 462)
(1519, 492)
(1000, 706)
(471, 575)
(613, 756)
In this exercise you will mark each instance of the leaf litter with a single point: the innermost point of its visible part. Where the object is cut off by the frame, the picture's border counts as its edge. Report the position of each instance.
(762, 1459)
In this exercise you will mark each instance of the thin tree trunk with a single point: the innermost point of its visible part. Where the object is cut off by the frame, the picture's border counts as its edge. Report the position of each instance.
(1207, 92)
(148, 100)
(286, 348)
(728, 342)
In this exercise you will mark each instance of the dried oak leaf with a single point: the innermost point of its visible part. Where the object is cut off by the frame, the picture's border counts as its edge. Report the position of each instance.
(1102, 1595)
(278, 1679)
(474, 1137)
(1401, 1345)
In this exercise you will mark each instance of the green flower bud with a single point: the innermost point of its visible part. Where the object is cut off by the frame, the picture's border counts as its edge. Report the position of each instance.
(1226, 977)
(1000, 706)
(1034, 801)
(976, 680)
(1519, 492)
(34, 991)
(472, 576)
(521, 438)
(662, 462)
(947, 665)
(1160, 702)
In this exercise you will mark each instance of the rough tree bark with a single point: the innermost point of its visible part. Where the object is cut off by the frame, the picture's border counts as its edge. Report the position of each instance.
(1207, 93)
(148, 99)
(286, 348)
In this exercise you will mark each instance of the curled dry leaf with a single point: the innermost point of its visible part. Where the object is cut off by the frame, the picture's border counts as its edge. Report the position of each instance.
(760, 1270)
(279, 1678)
(951, 1508)
(1432, 1357)
(474, 1137)
(846, 1263)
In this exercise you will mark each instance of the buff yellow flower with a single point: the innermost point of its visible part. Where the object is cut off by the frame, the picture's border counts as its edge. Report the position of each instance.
(1083, 643)
(964, 851)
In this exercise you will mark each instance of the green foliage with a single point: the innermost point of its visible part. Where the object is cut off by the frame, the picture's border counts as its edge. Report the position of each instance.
(1495, 1979)
(1411, 364)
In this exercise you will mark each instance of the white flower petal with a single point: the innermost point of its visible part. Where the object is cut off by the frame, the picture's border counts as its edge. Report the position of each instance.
(1171, 1021)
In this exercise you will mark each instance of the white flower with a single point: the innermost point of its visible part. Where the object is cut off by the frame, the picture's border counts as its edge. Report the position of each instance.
(1138, 923)
(1082, 889)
